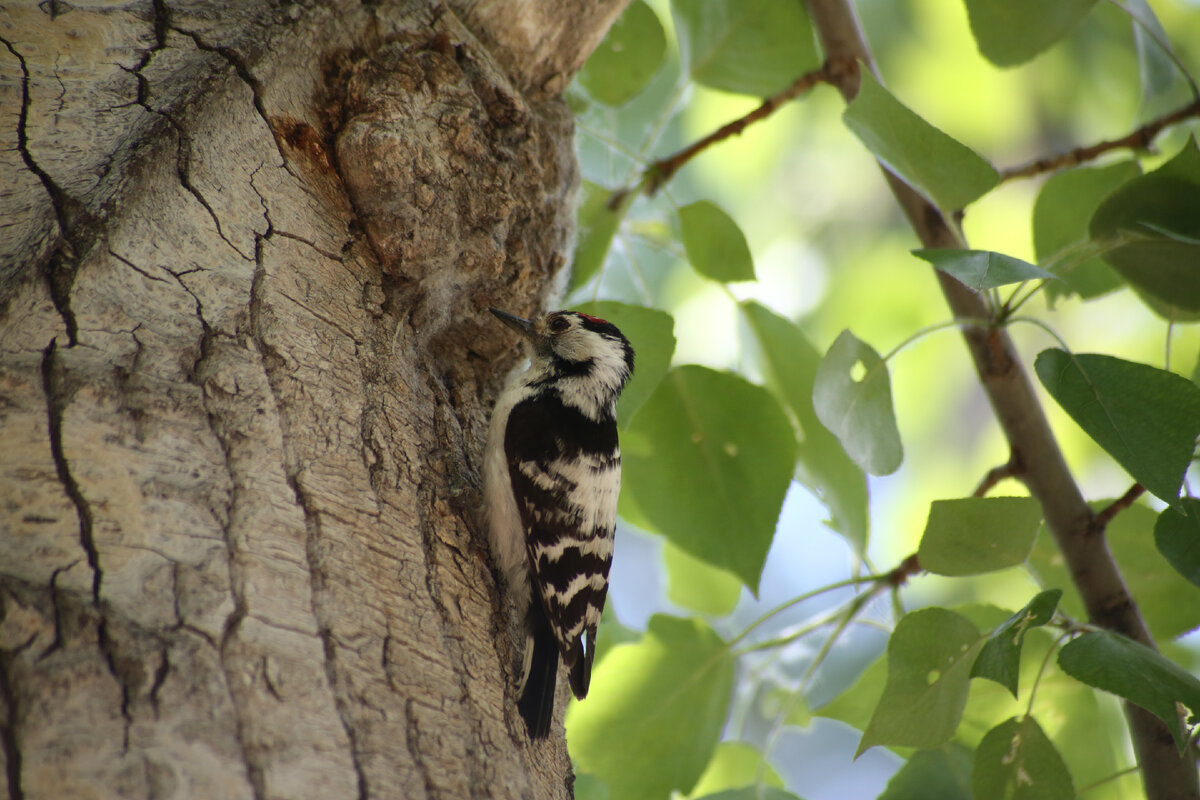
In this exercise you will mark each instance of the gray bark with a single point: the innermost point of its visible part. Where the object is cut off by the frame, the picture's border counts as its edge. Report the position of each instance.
(245, 366)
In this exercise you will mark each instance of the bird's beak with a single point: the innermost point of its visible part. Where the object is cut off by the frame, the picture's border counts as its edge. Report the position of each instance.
(521, 326)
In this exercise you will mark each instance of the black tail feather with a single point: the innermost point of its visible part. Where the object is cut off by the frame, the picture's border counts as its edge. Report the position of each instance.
(537, 699)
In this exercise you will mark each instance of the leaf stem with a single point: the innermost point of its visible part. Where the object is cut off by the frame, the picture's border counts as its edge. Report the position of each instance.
(939, 326)
(1115, 776)
(1042, 669)
(795, 601)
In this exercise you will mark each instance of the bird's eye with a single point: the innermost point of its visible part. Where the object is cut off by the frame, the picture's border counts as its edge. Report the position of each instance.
(559, 324)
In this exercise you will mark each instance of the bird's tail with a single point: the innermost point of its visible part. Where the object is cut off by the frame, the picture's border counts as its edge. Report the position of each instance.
(540, 673)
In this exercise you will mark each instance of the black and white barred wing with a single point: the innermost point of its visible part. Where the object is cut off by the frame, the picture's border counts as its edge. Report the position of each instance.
(566, 493)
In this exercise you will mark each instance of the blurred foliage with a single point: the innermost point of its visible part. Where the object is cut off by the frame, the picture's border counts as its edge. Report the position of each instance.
(761, 282)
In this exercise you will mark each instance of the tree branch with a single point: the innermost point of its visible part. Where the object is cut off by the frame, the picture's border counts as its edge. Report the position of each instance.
(1139, 139)
(1123, 502)
(664, 169)
(1093, 570)
(1011, 469)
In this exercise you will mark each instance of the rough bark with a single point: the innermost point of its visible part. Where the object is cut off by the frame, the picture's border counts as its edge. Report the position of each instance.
(245, 255)
(1076, 530)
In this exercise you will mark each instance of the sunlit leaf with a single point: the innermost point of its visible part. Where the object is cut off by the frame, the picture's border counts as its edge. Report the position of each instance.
(1061, 214)
(944, 170)
(714, 243)
(1000, 657)
(1127, 669)
(1017, 761)
(754, 47)
(1010, 32)
(1145, 418)
(708, 460)
(652, 334)
(628, 56)
(790, 362)
(752, 793)
(972, 535)
(944, 774)
(1159, 210)
(698, 586)
(1169, 604)
(598, 220)
(679, 677)
(929, 657)
(983, 269)
(858, 409)
(735, 765)
(1177, 536)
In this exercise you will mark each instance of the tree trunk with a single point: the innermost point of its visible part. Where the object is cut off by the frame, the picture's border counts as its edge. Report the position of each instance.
(245, 369)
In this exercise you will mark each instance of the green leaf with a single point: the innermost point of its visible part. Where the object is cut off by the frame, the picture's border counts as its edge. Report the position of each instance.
(698, 586)
(708, 461)
(944, 170)
(972, 535)
(598, 221)
(679, 677)
(1169, 604)
(983, 269)
(652, 334)
(929, 659)
(755, 47)
(1155, 67)
(1157, 211)
(855, 705)
(1145, 418)
(1010, 32)
(735, 765)
(714, 243)
(944, 774)
(1000, 658)
(790, 363)
(1177, 536)
(1064, 208)
(858, 411)
(1017, 761)
(630, 54)
(1127, 669)
(752, 793)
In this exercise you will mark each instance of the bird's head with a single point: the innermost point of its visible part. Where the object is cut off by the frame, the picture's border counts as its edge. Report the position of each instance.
(568, 346)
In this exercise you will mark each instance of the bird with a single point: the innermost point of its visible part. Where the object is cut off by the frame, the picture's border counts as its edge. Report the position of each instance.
(552, 474)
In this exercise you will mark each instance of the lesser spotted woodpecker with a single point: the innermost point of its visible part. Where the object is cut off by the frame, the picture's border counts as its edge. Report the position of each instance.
(552, 474)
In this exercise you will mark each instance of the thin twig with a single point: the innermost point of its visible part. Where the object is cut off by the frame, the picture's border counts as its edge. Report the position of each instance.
(996, 474)
(1140, 139)
(1105, 515)
(664, 169)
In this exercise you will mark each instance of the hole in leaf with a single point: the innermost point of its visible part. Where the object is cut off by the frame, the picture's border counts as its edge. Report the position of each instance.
(858, 371)
(933, 676)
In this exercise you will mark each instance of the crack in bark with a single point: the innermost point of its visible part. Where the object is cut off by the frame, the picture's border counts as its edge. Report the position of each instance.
(242, 70)
(8, 728)
(412, 738)
(183, 152)
(57, 642)
(62, 262)
(311, 516)
(430, 545)
(254, 771)
(56, 401)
